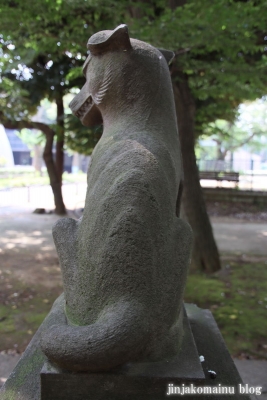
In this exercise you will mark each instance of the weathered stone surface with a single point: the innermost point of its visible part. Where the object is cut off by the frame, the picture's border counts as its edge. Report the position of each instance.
(124, 263)
(148, 380)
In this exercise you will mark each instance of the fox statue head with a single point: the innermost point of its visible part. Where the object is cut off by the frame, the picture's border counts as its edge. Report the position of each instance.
(110, 66)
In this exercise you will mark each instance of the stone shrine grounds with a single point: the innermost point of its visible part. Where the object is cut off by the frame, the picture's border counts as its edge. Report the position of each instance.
(30, 280)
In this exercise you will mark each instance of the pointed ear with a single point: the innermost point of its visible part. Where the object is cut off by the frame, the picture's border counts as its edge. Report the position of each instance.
(105, 41)
(168, 55)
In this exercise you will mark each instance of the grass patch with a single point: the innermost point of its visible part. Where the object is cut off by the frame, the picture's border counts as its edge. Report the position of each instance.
(237, 297)
(34, 179)
(24, 180)
(22, 310)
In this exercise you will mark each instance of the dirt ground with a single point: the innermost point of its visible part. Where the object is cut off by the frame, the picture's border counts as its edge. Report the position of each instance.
(30, 277)
(239, 211)
(27, 250)
(30, 274)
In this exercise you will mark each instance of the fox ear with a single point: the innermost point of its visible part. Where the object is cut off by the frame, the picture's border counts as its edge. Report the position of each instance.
(168, 55)
(105, 41)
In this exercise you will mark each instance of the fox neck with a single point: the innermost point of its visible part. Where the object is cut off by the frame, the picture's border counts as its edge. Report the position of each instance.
(155, 116)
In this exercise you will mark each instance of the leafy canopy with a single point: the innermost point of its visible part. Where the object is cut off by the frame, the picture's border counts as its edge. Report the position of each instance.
(220, 46)
(249, 130)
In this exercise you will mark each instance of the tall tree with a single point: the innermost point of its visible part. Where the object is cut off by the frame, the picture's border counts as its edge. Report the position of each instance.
(220, 62)
(16, 118)
(41, 53)
(230, 136)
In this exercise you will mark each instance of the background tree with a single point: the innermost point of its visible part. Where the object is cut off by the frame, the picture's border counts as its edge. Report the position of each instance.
(229, 137)
(79, 138)
(41, 43)
(220, 62)
(248, 130)
(253, 118)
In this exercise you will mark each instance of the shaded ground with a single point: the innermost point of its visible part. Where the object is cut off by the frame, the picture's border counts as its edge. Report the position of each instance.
(238, 210)
(238, 238)
(27, 250)
(30, 275)
(240, 230)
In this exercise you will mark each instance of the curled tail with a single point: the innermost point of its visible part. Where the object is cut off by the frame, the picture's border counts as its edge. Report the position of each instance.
(118, 336)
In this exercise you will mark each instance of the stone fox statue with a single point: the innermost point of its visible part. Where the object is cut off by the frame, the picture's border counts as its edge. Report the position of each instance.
(124, 263)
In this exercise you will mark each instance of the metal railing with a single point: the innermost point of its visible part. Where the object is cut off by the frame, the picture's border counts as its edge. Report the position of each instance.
(251, 176)
(74, 193)
(42, 196)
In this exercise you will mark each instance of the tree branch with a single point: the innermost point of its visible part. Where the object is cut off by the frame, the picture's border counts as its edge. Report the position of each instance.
(232, 148)
(46, 129)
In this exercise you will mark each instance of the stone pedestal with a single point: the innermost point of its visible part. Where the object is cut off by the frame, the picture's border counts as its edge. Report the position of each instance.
(35, 378)
(142, 381)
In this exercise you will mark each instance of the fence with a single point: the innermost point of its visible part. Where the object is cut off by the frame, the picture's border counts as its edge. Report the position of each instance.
(42, 196)
(74, 193)
(251, 177)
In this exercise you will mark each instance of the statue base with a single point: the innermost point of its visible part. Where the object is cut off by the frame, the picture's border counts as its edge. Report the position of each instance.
(34, 378)
(142, 381)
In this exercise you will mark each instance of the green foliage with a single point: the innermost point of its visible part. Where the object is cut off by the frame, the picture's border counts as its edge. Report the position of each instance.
(24, 181)
(23, 310)
(79, 138)
(220, 47)
(74, 73)
(56, 29)
(249, 130)
(31, 139)
(253, 119)
(227, 136)
(11, 179)
(237, 297)
(215, 37)
(14, 102)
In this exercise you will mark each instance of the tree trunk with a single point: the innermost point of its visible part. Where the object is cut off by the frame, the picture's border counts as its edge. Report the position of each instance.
(48, 158)
(54, 178)
(60, 138)
(205, 255)
(220, 152)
